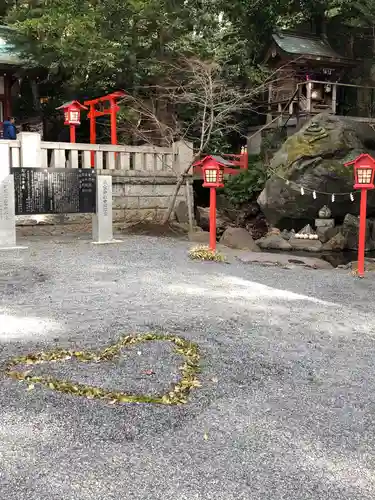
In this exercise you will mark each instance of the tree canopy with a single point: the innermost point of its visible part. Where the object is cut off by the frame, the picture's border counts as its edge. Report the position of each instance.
(88, 47)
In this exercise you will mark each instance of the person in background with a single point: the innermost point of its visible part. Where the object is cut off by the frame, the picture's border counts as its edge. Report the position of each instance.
(9, 129)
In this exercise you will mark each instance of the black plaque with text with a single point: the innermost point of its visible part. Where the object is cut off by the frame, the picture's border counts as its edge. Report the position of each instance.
(54, 190)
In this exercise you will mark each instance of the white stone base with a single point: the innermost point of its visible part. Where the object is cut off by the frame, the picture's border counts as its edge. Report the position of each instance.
(13, 248)
(110, 242)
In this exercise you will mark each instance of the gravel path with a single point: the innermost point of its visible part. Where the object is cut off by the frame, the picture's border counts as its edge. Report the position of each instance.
(287, 405)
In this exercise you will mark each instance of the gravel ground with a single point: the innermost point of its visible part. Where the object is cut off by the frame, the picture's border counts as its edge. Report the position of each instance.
(286, 407)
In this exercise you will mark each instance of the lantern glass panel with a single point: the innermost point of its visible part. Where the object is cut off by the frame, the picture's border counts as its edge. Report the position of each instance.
(211, 175)
(74, 116)
(221, 176)
(364, 175)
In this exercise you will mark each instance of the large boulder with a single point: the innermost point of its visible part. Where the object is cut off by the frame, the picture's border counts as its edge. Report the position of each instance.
(238, 237)
(203, 220)
(306, 245)
(273, 242)
(335, 244)
(350, 230)
(313, 158)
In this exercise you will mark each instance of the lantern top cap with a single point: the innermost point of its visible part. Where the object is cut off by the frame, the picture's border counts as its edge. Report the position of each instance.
(113, 95)
(72, 103)
(219, 160)
(360, 158)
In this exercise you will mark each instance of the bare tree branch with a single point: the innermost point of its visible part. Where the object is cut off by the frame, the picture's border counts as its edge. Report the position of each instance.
(194, 101)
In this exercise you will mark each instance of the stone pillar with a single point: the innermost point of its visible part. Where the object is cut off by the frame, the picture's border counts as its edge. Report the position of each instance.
(102, 229)
(308, 97)
(334, 98)
(30, 152)
(185, 155)
(254, 143)
(7, 209)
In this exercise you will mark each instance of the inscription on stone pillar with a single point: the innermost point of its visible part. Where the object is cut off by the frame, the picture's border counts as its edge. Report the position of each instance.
(102, 231)
(7, 214)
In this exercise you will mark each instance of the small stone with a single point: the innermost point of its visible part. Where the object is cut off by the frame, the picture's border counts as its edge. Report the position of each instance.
(324, 212)
(288, 234)
(306, 230)
(274, 242)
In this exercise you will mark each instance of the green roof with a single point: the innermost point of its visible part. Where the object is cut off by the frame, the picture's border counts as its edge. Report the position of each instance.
(8, 54)
(303, 45)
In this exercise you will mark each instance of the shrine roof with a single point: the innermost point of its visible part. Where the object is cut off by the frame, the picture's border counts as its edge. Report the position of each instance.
(299, 45)
(8, 53)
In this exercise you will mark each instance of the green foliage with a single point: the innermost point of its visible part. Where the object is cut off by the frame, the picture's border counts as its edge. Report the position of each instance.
(89, 47)
(247, 185)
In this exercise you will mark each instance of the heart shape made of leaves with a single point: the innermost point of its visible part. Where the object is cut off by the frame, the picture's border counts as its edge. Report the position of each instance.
(177, 395)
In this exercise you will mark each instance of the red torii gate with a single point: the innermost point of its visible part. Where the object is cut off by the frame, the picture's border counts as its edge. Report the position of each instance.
(112, 111)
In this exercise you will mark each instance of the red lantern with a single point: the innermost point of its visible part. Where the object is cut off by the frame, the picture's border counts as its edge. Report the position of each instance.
(364, 169)
(213, 177)
(72, 115)
(213, 174)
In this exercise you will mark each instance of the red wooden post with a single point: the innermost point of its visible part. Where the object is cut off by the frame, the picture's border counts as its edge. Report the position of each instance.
(72, 134)
(362, 233)
(113, 111)
(244, 158)
(213, 218)
(92, 132)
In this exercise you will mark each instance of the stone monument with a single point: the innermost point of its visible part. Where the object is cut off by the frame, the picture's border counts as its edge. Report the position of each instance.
(324, 222)
(7, 209)
(102, 221)
(7, 215)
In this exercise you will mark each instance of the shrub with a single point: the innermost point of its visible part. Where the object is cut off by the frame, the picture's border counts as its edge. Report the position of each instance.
(245, 187)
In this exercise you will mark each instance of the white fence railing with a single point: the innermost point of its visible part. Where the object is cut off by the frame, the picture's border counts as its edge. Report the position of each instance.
(142, 158)
(15, 159)
(30, 151)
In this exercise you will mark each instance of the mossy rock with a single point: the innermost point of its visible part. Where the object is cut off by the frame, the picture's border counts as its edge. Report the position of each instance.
(314, 158)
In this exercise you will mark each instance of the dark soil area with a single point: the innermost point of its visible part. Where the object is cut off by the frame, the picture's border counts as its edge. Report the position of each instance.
(151, 229)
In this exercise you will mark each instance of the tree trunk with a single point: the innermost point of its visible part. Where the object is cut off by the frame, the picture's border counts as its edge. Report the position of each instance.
(174, 197)
(180, 181)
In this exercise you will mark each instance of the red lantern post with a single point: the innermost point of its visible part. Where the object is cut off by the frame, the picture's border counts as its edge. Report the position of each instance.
(72, 115)
(364, 169)
(213, 176)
